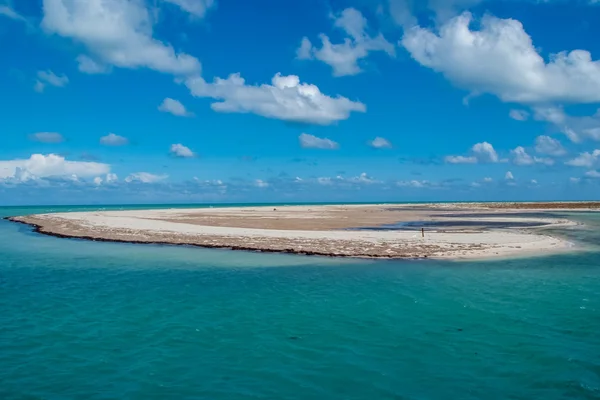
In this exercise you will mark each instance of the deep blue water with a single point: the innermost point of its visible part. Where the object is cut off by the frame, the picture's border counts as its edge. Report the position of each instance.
(85, 320)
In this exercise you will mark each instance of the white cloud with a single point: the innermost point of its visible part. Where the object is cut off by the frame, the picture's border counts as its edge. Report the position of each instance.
(403, 11)
(519, 115)
(285, 99)
(114, 140)
(312, 142)
(260, 183)
(47, 137)
(485, 152)
(344, 57)
(380, 143)
(488, 180)
(50, 166)
(363, 178)
(213, 182)
(521, 157)
(585, 159)
(145, 177)
(197, 8)
(325, 181)
(576, 129)
(481, 152)
(116, 33)
(550, 146)
(500, 59)
(108, 179)
(509, 176)
(574, 180)
(45, 78)
(534, 182)
(461, 160)
(8, 12)
(592, 174)
(174, 107)
(89, 66)
(352, 182)
(414, 184)
(179, 150)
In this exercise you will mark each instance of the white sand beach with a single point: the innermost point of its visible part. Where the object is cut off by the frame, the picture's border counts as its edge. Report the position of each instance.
(318, 230)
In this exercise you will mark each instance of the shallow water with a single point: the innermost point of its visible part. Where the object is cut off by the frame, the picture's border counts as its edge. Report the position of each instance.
(417, 225)
(86, 320)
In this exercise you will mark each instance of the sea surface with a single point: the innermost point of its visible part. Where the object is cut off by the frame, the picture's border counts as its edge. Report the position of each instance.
(87, 320)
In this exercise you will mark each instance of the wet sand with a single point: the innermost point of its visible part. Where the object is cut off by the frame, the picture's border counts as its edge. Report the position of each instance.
(323, 230)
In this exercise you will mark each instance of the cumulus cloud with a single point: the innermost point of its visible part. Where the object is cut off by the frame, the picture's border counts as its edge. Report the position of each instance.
(47, 137)
(585, 159)
(179, 150)
(576, 129)
(196, 8)
(116, 33)
(210, 182)
(174, 107)
(509, 176)
(519, 115)
(50, 166)
(114, 140)
(461, 159)
(550, 146)
(145, 177)
(521, 157)
(285, 99)
(592, 174)
(485, 152)
(363, 178)
(45, 78)
(107, 180)
(499, 58)
(313, 142)
(344, 57)
(347, 182)
(380, 143)
(403, 11)
(260, 183)
(480, 153)
(415, 184)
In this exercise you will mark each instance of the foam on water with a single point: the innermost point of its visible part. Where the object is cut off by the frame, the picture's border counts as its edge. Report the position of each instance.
(85, 320)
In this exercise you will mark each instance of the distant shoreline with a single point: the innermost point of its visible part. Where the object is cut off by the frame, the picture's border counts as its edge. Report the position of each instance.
(330, 230)
(583, 205)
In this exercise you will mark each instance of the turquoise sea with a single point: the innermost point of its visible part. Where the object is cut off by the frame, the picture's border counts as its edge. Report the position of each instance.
(86, 320)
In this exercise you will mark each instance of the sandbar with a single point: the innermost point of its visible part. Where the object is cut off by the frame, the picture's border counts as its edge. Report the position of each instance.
(451, 231)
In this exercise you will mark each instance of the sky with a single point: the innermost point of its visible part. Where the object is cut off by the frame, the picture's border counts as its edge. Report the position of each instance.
(212, 101)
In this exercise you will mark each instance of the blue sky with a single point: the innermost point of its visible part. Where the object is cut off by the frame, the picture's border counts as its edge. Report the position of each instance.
(117, 101)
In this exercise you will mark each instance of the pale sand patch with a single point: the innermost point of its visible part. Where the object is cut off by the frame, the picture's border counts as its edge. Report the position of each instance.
(310, 230)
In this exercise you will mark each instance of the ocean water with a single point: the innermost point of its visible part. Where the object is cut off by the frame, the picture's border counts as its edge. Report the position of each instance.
(85, 320)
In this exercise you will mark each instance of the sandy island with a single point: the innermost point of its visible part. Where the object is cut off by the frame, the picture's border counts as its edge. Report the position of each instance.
(452, 231)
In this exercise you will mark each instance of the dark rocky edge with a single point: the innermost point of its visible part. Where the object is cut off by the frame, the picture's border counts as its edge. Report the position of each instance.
(40, 229)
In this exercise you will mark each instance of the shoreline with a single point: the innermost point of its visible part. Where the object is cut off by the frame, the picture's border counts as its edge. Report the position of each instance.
(330, 231)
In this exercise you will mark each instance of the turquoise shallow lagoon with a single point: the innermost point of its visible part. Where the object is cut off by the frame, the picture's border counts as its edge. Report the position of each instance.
(85, 320)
